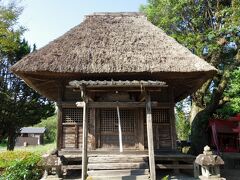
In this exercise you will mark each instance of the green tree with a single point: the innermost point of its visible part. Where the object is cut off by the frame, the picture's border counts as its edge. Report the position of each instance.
(232, 96)
(9, 29)
(19, 105)
(182, 123)
(210, 29)
(51, 128)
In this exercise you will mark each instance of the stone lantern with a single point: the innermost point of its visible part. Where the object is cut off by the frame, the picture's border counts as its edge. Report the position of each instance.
(210, 164)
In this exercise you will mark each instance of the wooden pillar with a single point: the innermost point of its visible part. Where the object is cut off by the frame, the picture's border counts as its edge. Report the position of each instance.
(84, 142)
(59, 116)
(141, 129)
(92, 128)
(98, 130)
(83, 105)
(59, 126)
(172, 119)
(76, 136)
(150, 137)
(119, 130)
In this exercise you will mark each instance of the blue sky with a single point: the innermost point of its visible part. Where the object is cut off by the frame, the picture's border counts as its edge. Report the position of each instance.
(48, 19)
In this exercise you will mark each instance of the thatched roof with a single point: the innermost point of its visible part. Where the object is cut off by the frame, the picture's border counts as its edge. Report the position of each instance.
(112, 45)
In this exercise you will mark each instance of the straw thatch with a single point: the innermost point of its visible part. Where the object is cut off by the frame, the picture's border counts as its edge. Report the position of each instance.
(113, 45)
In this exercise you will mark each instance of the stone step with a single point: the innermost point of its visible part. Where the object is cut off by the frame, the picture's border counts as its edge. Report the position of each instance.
(106, 166)
(141, 177)
(117, 159)
(123, 172)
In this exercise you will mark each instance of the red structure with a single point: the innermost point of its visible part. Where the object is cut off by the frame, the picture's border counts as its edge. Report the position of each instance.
(225, 134)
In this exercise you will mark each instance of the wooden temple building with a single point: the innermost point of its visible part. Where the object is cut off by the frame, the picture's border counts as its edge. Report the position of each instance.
(116, 78)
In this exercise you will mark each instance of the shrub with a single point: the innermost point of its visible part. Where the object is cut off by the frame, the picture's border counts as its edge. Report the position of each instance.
(20, 165)
(51, 128)
(3, 142)
(7, 158)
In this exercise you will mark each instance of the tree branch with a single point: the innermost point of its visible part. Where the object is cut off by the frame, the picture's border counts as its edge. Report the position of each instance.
(218, 92)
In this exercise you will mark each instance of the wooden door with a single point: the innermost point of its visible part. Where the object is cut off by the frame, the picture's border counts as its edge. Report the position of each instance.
(161, 130)
(109, 135)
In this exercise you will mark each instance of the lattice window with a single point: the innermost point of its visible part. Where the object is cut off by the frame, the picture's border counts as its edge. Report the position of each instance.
(72, 115)
(160, 116)
(109, 120)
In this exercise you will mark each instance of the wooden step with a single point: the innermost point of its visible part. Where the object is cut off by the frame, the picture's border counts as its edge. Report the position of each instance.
(52, 177)
(72, 157)
(116, 159)
(117, 166)
(174, 166)
(123, 172)
(71, 167)
(141, 177)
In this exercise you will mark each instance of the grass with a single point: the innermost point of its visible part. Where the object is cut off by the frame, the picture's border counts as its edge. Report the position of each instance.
(40, 149)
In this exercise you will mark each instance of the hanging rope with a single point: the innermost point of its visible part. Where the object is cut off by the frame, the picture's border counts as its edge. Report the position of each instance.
(119, 130)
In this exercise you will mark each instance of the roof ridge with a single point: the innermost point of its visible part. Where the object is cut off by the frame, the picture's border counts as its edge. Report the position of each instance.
(133, 14)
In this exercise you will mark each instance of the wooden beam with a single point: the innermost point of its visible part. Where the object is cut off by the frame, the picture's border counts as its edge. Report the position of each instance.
(174, 166)
(150, 137)
(115, 104)
(120, 89)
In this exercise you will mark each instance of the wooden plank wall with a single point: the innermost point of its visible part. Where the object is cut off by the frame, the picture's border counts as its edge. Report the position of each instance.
(72, 129)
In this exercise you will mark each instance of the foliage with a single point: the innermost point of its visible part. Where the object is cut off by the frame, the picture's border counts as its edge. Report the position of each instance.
(198, 24)
(25, 161)
(165, 177)
(211, 30)
(20, 165)
(9, 31)
(232, 96)
(19, 105)
(3, 142)
(51, 128)
(7, 157)
(182, 125)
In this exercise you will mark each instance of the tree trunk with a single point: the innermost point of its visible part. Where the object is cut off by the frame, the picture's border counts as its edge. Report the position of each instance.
(199, 134)
(11, 140)
(195, 109)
